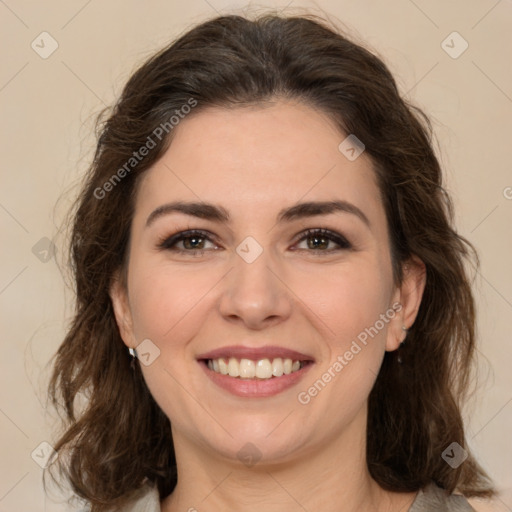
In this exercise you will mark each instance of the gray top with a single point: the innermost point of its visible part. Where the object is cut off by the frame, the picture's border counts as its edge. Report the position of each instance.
(434, 499)
(429, 499)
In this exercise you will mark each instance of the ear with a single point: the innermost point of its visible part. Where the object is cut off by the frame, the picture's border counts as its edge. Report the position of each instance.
(408, 295)
(119, 297)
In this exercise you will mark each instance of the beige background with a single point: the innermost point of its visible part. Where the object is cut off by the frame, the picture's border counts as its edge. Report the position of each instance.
(48, 108)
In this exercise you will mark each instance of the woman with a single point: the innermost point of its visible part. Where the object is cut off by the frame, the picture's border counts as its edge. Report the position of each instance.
(273, 310)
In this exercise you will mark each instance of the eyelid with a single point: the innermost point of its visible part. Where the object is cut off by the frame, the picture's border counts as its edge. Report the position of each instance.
(167, 242)
(333, 236)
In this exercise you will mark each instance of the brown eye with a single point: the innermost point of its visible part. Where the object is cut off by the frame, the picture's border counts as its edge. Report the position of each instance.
(322, 240)
(191, 241)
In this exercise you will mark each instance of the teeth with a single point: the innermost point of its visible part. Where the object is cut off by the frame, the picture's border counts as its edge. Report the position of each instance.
(233, 368)
(248, 369)
(263, 369)
(223, 367)
(277, 367)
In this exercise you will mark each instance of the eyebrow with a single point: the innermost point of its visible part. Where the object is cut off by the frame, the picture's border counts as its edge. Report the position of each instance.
(216, 213)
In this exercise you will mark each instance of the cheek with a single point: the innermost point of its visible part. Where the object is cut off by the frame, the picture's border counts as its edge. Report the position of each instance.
(163, 299)
(168, 309)
(353, 348)
(348, 301)
(350, 304)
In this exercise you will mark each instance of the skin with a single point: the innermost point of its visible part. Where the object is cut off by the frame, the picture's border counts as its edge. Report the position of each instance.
(253, 162)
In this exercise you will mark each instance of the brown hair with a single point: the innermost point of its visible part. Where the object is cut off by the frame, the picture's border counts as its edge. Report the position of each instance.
(121, 438)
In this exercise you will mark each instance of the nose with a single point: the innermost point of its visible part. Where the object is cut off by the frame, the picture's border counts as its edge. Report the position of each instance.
(255, 294)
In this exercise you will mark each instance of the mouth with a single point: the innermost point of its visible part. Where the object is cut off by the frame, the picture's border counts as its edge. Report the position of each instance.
(248, 372)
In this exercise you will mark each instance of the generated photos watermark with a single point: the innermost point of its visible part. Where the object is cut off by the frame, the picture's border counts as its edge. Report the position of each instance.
(158, 133)
(305, 397)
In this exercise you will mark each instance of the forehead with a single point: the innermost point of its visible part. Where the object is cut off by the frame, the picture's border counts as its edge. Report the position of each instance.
(257, 159)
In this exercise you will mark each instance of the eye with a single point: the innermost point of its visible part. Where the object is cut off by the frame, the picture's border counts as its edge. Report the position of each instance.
(192, 242)
(321, 240)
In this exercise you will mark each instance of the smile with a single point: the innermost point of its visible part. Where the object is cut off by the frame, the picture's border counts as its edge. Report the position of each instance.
(255, 369)
(255, 372)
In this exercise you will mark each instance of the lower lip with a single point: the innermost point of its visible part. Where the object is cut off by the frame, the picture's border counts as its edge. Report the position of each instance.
(256, 388)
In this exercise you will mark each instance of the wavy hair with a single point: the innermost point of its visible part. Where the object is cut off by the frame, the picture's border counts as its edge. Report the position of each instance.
(120, 438)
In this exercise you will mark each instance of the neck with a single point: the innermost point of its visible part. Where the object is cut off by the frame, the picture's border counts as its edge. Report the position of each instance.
(332, 477)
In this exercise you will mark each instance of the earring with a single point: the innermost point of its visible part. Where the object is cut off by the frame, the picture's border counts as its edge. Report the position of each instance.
(133, 355)
(399, 357)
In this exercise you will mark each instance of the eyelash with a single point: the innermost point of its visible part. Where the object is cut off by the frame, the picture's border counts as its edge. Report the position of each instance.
(168, 243)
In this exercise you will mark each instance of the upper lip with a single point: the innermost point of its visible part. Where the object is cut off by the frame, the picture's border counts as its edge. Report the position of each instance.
(255, 354)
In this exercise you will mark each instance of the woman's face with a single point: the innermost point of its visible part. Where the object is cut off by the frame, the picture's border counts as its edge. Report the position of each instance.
(260, 285)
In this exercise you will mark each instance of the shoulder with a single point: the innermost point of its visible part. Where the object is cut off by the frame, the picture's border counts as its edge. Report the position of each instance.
(146, 500)
(434, 499)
